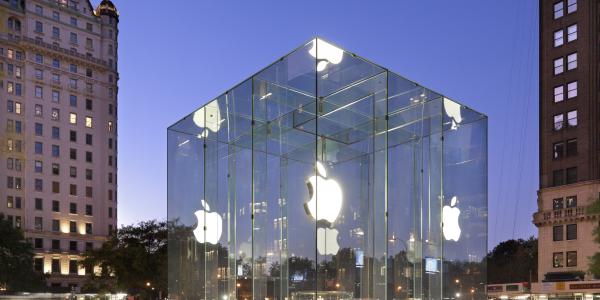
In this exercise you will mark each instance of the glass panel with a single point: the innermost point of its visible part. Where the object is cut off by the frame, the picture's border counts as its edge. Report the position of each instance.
(325, 176)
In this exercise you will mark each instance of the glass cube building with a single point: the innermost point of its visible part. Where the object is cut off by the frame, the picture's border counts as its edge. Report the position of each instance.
(326, 176)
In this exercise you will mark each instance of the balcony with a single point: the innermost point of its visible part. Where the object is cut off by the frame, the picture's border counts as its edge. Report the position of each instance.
(557, 216)
(55, 48)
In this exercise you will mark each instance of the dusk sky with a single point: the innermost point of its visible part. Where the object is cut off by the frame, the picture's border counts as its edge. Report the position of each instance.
(174, 56)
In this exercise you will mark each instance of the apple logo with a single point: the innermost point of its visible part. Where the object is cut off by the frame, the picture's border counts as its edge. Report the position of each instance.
(209, 118)
(450, 224)
(329, 195)
(327, 241)
(453, 111)
(210, 225)
(328, 54)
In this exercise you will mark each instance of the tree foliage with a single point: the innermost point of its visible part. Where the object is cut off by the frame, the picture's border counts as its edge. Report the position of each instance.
(512, 260)
(16, 261)
(594, 266)
(132, 257)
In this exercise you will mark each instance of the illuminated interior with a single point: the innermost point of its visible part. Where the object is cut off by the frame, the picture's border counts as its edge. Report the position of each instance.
(325, 176)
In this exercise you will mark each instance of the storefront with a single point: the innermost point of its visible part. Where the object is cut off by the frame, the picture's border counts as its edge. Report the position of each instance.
(325, 176)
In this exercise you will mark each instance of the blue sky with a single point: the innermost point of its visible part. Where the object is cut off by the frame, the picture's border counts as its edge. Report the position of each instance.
(175, 57)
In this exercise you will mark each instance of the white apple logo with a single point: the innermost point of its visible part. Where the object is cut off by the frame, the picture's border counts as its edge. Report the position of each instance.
(327, 241)
(210, 225)
(450, 224)
(209, 118)
(329, 195)
(453, 111)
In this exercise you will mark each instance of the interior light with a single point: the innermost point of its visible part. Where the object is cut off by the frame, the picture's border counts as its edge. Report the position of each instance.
(327, 53)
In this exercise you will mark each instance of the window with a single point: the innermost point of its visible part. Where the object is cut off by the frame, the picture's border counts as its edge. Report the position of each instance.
(56, 15)
(55, 187)
(558, 66)
(571, 201)
(73, 189)
(89, 192)
(571, 33)
(572, 89)
(558, 259)
(55, 269)
(73, 208)
(558, 122)
(88, 228)
(73, 245)
(55, 33)
(88, 104)
(88, 122)
(38, 264)
(89, 27)
(73, 118)
(38, 110)
(73, 38)
(110, 126)
(88, 139)
(38, 166)
(38, 243)
(88, 210)
(56, 78)
(55, 206)
(89, 43)
(55, 114)
(571, 6)
(72, 266)
(88, 156)
(56, 63)
(572, 118)
(73, 136)
(39, 27)
(73, 172)
(73, 100)
(73, 68)
(38, 223)
(571, 175)
(55, 151)
(572, 147)
(73, 21)
(55, 169)
(38, 92)
(110, 212)
(558, 177)
(39, 129)
(39, 185)
(55, 225)
(557, 233)
(571, 258)
(73, 153)
(558, 10)
(557, 204)
(39, 10)
(571, 231)
(558, 38)
(89, 246)
(73, 227)
(55, 96)
(88, 174)
(572, 61)
(38, 147)
(73, 83)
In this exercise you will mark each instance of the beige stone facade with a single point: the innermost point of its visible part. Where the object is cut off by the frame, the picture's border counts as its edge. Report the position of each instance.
(58, 128)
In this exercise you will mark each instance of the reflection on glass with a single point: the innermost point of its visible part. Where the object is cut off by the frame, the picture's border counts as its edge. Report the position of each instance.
(325, 176)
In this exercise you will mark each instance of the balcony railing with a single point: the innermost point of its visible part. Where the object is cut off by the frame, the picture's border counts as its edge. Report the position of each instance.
(559, 214)
(56, 48)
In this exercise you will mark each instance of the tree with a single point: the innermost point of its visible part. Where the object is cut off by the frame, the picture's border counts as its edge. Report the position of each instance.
(16, 261)
(512, 260)
(594, 266)
(134, 259)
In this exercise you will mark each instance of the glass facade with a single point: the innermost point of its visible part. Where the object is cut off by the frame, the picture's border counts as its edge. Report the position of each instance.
(325, 176)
